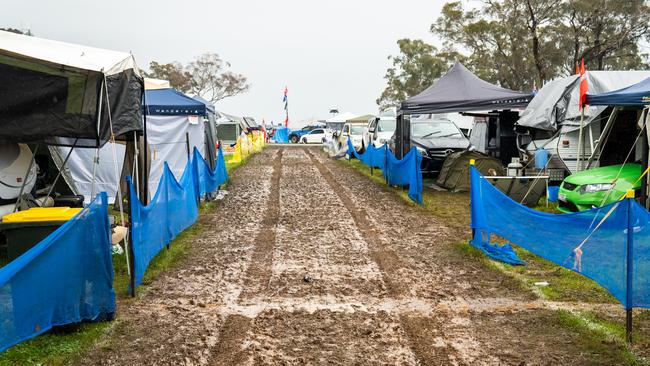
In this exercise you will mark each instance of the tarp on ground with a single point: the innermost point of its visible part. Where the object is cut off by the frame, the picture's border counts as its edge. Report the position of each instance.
(281, 135)
(404, 172)
(633, 95)
(556, 103)
(66, 278)
(454, 174)
(51, 92)
(609, 245)
(459, 90)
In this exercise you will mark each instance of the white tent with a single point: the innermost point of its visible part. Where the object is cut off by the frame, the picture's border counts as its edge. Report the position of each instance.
(168, 142)
(78, 56)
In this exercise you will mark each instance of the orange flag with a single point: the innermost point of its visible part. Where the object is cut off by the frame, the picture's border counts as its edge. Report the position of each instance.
(583, 86)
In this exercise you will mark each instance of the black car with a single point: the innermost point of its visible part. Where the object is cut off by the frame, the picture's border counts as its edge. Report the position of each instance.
(435, 139)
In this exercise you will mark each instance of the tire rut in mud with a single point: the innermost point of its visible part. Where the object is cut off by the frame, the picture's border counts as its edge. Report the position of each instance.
(228, 350)
(387, 260)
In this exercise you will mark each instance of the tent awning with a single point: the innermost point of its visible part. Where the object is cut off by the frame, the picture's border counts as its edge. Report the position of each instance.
(459, 90)
(634, 95)
(365, 118)
(342, 117)
(64, 94)
(171, 102)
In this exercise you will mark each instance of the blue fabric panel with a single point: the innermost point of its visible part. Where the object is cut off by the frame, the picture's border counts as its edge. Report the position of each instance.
(405, 172)
(633, 95)
(66, 278)
(281, 135)
(173, 208)
(208, 180)
(603, 257)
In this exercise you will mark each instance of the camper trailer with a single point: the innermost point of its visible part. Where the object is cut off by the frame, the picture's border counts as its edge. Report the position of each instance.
(553, 121)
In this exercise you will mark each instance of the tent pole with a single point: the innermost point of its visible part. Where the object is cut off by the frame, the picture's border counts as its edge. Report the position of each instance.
(630, 270)
(65, 161)
(99, 122)
(604, 132)
(135, 164)
(145, 153)
(117, 178)
(644, 158)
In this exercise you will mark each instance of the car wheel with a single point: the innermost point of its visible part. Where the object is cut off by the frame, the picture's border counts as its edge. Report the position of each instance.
(294, 139)
(304, 140)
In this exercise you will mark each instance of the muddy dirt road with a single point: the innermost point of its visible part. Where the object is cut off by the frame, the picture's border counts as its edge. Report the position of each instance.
(308, 262)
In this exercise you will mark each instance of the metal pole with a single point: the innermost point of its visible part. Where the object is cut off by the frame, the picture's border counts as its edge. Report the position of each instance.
(187, 145)
(644, 160)
(630, 269)
(580, 142)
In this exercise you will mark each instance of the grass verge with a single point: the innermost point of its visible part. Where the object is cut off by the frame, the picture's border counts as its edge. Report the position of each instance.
(565, 285)
(66, 344)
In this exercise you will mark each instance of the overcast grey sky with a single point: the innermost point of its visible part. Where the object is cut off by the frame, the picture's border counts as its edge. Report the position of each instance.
(329, 53)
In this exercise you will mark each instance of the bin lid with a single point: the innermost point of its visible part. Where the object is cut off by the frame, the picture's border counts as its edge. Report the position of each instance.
(36, 214)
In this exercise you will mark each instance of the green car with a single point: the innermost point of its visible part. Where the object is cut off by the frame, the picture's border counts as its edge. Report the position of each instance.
(595, 187)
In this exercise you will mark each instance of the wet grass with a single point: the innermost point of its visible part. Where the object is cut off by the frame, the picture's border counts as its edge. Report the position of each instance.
(565, 285)
(67, 344)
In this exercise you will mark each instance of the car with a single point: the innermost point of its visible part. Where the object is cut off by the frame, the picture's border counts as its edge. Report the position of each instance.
(597, 187)
(435, 139)
(379, 131)
(295, 135)
(315, 136)
(352, 131)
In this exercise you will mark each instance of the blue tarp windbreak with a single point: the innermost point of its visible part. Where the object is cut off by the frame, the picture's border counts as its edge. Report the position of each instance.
(404, 172)
(610, 245)
(66, 278)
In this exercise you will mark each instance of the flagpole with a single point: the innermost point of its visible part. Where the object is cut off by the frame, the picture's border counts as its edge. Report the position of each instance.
(580, 140)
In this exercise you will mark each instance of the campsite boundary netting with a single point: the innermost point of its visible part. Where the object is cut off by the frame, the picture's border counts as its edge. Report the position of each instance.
(404, 172)
(66, 278)
(173, 208)
(610, 244)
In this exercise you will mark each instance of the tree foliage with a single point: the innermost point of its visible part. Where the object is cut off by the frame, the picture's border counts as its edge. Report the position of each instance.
(174, 72)
(519, 43)
(207, 76)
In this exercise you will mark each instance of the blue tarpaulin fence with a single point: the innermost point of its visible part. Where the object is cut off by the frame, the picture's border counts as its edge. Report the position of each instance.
(610, 245)
(66, 278)
(173, 209)
(281, 135)
(404, 172)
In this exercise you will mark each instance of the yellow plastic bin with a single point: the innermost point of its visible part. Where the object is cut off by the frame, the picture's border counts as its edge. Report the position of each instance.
(24, 229)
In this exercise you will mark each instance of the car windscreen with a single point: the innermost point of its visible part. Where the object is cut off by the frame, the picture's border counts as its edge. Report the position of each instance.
(386, 125)
(434, 129)
(356, 129)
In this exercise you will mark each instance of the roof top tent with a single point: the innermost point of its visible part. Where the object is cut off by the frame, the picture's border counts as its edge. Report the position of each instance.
(459, 90)
(174, 127)
(635, 98)
(63, 94)
(552, 120)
